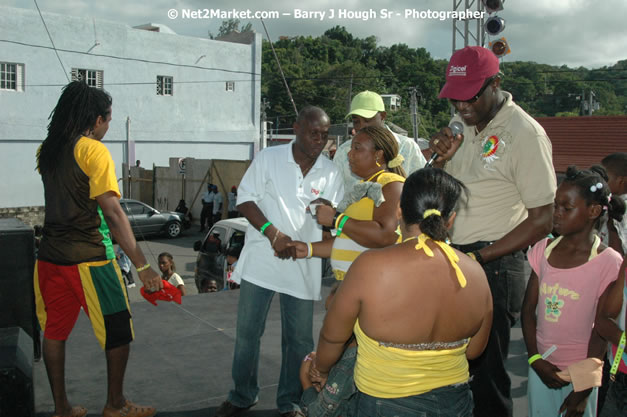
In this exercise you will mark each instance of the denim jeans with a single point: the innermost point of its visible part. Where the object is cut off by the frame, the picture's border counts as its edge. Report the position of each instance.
(296, 343)
(490, 383)
(616, 398)
(449, 401)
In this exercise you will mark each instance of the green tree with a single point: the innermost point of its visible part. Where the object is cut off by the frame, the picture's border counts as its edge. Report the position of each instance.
(229, 26)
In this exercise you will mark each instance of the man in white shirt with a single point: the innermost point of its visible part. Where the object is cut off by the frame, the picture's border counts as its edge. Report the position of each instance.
(274, 195)
(367, 109)
(218, 203)
(206, 215)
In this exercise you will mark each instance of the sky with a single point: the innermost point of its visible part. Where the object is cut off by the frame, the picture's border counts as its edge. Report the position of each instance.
(575, 33)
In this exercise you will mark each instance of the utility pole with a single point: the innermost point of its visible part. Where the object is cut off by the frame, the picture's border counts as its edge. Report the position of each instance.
(265, 104)
(415, 117)
(348, 107)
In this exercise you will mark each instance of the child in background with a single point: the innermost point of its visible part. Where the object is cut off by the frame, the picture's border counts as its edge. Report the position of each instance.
(232, 256)
(125, 267)
(569, 274)
(167, 267)
(616, 166)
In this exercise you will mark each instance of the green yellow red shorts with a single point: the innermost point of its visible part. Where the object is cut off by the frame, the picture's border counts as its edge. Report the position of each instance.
(97, 287)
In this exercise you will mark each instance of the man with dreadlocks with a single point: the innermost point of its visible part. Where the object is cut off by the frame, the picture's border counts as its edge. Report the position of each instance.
(75, 266)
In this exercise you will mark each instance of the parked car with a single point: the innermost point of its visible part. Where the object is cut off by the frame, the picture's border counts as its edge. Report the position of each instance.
(211, 260)
(146, 220)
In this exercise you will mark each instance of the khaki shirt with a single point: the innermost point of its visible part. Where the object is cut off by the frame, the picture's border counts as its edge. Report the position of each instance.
(508, 168)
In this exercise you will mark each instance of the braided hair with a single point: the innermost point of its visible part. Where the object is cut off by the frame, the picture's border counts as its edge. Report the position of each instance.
(593, 188)
(76, 111)
(430, 189)
(385, 141)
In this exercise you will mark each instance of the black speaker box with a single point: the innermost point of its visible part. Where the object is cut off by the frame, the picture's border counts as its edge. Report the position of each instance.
(17, 246)
(16, 373)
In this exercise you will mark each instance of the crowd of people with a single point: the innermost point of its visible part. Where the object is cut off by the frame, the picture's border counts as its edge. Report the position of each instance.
(429, 261)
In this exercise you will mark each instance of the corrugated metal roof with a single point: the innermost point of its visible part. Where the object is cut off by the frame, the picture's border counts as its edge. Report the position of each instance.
(584, 140)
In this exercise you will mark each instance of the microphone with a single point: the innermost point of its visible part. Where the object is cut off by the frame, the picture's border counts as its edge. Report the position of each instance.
(457, 129)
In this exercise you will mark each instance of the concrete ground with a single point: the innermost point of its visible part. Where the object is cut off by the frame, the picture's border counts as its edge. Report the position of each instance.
(180, 360)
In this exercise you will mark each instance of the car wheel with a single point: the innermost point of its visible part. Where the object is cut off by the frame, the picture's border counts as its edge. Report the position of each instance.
(173, 229)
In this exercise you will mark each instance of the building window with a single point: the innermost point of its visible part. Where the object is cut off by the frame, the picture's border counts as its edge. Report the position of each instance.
(93, 78)
(164, 85)
(11, 76)
(230, 86)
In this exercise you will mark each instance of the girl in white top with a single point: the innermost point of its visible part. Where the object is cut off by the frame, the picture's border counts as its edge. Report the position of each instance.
(167, 267)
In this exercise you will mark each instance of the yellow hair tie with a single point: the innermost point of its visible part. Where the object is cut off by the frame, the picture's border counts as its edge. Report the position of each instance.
(396, 161)
(431, 212)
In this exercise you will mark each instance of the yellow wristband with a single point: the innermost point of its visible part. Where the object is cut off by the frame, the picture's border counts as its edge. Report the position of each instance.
(472, 255)
(534, 358)
(143, 268)
(309, 250)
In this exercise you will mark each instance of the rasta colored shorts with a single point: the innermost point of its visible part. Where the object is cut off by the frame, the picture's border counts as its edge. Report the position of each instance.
(98, 287)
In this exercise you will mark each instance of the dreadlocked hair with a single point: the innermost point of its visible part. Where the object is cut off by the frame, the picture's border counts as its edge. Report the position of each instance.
(76, 111)
(430, 189)
(385, 141)
(593, 189)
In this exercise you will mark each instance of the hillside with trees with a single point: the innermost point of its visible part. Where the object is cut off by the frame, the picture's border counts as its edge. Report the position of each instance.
(329, 69)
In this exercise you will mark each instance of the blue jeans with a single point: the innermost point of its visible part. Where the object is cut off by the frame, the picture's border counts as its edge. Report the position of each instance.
(296, 343)
(490, 383)
(449, 401)
(616, 399)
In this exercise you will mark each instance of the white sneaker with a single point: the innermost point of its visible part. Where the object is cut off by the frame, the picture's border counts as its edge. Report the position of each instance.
(131, 285)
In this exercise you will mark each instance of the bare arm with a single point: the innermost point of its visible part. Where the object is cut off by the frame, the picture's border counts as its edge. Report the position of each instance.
(610, 305)
(182, 290)
(121, 230)
(537, 225)
(341, 316)
(378, 232)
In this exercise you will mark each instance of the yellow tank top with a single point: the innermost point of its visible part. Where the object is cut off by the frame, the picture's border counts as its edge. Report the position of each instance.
(346, 250)
(390, 372)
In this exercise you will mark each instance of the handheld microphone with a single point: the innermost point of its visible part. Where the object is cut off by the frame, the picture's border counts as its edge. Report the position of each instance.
(457, 129)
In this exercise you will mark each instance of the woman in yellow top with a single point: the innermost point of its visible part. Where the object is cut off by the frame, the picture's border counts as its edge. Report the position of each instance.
(419, 310)
(367, 217)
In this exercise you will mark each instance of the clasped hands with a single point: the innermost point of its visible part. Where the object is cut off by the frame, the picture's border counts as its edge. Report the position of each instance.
(286, 248)
(310, 375)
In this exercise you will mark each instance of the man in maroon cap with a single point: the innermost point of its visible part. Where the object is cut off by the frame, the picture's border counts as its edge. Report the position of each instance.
(504, 158)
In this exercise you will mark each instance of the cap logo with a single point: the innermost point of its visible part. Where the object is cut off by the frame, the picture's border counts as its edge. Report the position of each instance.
(455, 71)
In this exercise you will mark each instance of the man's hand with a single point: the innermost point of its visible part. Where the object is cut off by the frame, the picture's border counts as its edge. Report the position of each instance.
(281, 247)
(575, 403)
(548, 374)
(445, 145)
(151, 280)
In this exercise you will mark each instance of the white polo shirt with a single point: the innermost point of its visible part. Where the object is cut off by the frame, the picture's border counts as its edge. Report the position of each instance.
(274, 181)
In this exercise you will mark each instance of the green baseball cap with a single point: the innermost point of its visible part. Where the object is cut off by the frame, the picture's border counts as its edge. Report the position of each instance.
(366, 104)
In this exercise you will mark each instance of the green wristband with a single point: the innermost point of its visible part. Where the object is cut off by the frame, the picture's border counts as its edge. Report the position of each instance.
(618, 357)
(341, 225)
(264, 227)
(534, 358)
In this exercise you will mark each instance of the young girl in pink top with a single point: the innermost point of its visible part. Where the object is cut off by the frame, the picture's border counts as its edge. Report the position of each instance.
(569, 274)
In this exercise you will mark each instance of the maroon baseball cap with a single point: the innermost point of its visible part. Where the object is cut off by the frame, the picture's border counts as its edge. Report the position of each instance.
(467, 71)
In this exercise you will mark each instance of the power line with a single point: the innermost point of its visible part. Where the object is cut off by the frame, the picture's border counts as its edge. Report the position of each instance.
(147, 61)
(51, 41)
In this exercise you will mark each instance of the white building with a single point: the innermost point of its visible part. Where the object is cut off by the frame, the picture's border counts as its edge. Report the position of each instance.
(173, 96)
(392, 101)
